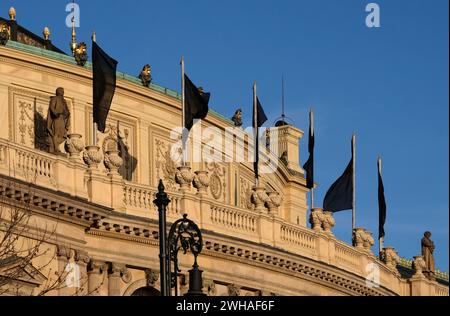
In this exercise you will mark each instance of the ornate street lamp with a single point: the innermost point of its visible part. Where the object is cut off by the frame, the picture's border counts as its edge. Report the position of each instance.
(162, 201)
(184, 235)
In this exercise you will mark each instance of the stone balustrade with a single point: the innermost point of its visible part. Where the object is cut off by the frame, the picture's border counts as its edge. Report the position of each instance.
(263, 224)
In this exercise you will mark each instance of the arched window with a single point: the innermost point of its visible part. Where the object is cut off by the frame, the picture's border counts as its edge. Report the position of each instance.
(146, 291)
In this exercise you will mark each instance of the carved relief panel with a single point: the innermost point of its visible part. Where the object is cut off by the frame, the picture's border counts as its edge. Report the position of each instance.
(165, 167)
(245, 193)
(218, 173)
(120, 135)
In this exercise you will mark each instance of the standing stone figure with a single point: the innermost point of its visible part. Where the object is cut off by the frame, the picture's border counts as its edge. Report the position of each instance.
(237, 118)
(58, 121)
(427, 253)
(146, 76)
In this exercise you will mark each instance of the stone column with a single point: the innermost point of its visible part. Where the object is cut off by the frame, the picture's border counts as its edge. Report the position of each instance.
(82, 260)
(96, 278)
(63, 254)
(115, 278)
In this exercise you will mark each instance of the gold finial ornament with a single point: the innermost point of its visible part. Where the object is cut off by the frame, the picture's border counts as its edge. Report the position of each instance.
(46, 33)
(73, 42)
(12, 14)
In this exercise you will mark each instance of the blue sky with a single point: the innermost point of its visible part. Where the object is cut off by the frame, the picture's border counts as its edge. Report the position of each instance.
(389, 85)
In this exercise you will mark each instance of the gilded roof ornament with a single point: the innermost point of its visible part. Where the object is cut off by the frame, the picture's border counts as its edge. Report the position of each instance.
(12, 14)
(46, 33)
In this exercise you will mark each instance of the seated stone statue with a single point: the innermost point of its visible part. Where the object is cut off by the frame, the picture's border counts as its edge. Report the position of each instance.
(427, 253)
(58, 121)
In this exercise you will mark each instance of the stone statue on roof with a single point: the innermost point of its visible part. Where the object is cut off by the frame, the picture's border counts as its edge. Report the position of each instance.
(58, 121)
(428, 254)
(237, 118)
(146, 76)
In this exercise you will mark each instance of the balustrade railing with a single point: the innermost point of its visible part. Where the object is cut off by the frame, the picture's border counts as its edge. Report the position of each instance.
(234, 218)
(301, 237)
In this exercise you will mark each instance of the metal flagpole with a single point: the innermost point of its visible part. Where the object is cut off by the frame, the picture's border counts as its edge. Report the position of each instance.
(95, 126)
(183, 106)
(354, 181)
(381, 241)
(256, 131)
(311, 119)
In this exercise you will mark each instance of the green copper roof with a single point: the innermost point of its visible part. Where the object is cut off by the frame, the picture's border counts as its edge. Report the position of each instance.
(120, 75)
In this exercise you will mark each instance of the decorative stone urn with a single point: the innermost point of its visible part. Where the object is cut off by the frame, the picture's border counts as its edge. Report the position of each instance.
(113, 162)
(201, 182)
(92, 156)
(328, 222)
(368, 240)
(184, 177)
(316, 218)
(273, 202)
(390, 257)
(419, 265)
(74, 145)
(259, 198)
(359, 235)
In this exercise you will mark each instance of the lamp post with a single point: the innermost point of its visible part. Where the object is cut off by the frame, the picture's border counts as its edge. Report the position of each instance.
(162, 201)
(184, 235)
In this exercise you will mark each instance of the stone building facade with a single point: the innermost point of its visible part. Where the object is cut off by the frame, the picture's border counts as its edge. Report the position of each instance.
(98, 202)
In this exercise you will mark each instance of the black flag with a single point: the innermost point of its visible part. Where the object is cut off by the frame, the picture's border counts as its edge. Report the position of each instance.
(381, 203)
(309, 165)
(196, 104)
(261, 118)
(340, 196)
(104, 69)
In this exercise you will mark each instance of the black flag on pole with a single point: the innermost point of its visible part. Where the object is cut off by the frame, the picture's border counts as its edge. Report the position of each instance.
(309, 165)
(340, 196)
(381, 203)
(261, 118)
(196, 104)
(104, 73)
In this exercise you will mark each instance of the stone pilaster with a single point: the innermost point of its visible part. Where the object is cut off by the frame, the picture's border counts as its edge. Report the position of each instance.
(115, 278)
(96, 277)
(82, 260)
(63, 255)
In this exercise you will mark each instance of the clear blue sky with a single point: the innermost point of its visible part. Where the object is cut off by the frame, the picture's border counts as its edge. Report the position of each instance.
(389, 85)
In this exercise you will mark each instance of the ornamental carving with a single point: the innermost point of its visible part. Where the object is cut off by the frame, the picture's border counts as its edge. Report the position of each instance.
(316, 219)
(390, 257)
(74, 145)
(113, 161)
(118, 141)
(210, 287)
(273, 202)
(201, 182)
(419, 265)
(217, 184)
(4, 33)
(63, 251)
(259, 198)
(184, 177)
(328, 222)
(246, 193)
(363, 239)
(92, 156)
(152, 277)
(166, 168)
(26, 123)
(234, 290)
(81, 257)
